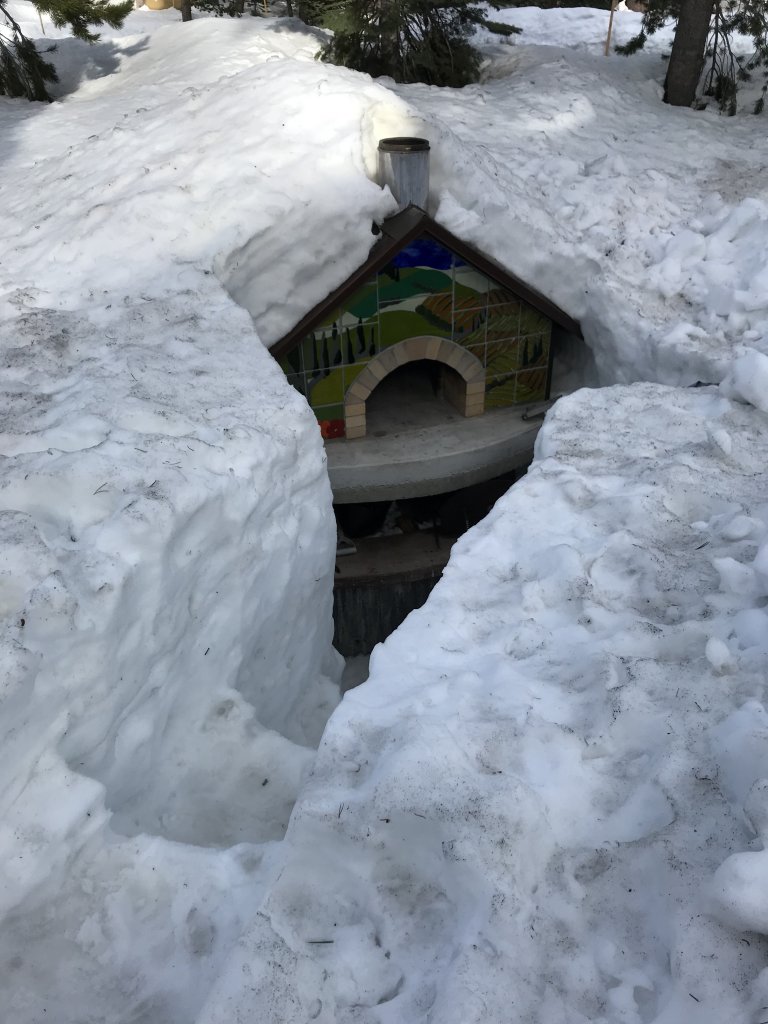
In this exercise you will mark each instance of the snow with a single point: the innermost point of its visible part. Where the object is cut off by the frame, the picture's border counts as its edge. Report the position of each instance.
(143, 656)
(747, 380)
(548, 801)
(167, 559)
(538, 796)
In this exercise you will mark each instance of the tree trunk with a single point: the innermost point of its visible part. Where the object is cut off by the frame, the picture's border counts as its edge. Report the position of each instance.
(186, 10)
(687, 58)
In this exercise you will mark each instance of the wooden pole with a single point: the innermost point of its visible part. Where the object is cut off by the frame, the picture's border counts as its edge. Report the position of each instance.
(610, 28)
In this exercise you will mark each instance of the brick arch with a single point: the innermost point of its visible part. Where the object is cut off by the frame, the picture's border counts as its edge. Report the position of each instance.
(468, 395)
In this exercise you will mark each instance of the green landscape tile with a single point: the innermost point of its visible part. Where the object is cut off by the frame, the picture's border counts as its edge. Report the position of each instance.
(470, 287)
(500, 296)
(364, 303)
(534, 351)
(329, 320)
(291, 363)
(322, 353)
(533, 322)
(478, 351)
(365, 342)
(504, 321)
(399, 324)
(351, 373)
(437, 310)
(502, 357)
(410, 282)
(329, 412)
(307, 349)
(469, 326)
(500, 391)
(348, 319)
(296, 380)
(328, 390)
(531, 386)
(358, 342)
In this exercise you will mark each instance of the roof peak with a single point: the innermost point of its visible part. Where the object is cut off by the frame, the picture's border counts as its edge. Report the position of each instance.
(396, 232)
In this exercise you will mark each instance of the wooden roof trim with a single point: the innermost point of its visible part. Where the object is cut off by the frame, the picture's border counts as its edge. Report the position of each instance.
(397, 232)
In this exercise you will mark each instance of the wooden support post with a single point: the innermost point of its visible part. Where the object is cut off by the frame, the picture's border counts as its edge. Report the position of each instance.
(610, 28)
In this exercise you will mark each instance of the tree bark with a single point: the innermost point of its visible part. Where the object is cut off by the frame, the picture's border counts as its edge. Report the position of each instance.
(686, 61)
(186, 10)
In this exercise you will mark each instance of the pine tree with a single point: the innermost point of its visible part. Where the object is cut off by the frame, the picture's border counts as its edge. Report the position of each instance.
(703, 44)
(23, 71)
(408, 40)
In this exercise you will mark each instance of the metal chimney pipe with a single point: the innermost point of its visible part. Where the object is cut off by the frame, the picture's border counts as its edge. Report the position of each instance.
(404, 166)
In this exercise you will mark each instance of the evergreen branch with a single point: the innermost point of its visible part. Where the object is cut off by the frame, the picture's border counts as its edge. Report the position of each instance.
(408, 40)
(80, 14)
(632, 45)
(23, 72)
(500, 29)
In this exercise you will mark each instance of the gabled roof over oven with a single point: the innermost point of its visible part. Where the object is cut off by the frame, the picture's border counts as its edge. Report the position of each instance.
(396, 233)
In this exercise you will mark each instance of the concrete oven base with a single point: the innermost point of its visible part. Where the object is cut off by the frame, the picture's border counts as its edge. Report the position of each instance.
(414, 452)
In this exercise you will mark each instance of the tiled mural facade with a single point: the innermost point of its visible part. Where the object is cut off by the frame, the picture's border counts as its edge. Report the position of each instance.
(425, 290)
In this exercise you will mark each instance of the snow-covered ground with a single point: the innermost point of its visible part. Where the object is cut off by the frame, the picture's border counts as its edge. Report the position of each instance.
(534, 810)
(548, 802)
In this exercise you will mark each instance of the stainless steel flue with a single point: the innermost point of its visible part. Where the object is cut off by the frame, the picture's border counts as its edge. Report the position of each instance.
(404, 166)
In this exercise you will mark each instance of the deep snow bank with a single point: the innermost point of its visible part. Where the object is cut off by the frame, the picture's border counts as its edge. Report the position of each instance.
(165, 573)
(167, 556)
(534, 808)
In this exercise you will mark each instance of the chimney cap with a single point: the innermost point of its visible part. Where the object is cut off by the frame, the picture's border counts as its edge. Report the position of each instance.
(403, 144)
